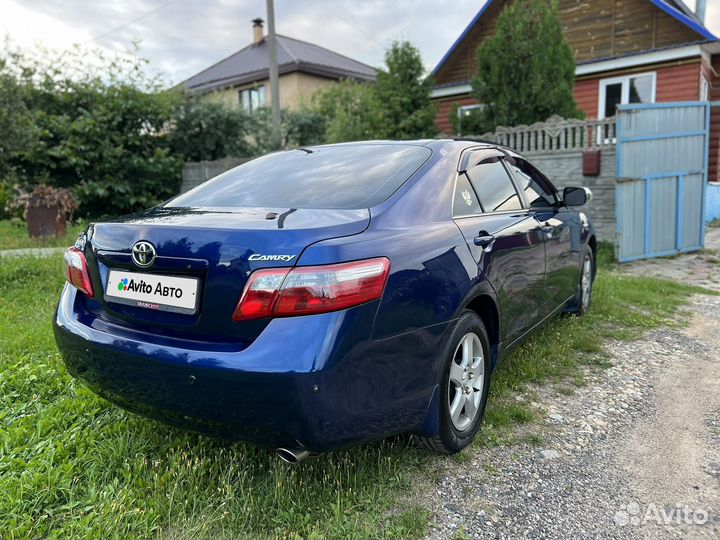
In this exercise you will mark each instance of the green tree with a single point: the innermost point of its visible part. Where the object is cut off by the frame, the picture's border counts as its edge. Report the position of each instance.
(403, 95)
(526, 71)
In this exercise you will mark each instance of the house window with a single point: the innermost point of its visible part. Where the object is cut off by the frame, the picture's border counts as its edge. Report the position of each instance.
(463, 112)
(638, 88)
(466, 110)
(251, 99)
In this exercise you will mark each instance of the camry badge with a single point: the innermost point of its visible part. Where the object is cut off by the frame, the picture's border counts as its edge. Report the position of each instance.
(143, 254)
(259, 257)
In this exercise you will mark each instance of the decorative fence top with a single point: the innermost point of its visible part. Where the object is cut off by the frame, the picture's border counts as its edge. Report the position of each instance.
(556, 134)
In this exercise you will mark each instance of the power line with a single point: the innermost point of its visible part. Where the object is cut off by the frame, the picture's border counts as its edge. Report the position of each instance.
(350, 24)
(123, 26)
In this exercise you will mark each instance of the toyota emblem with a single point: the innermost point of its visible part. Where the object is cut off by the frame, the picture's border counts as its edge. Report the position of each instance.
(143, 254)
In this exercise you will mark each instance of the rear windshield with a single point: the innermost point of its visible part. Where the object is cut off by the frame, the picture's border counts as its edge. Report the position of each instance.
(338, 177)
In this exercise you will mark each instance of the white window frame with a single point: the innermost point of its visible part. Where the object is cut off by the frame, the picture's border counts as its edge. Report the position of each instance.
(464, 110)
(704, 88)
(625, 92)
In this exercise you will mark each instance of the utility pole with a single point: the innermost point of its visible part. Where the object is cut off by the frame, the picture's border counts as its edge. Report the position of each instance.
(274, 83)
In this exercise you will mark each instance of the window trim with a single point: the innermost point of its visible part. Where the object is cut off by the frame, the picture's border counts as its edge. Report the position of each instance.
(704, 88)
(625, 89)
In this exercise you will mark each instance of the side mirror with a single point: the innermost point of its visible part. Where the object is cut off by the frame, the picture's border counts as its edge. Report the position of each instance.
(576, 196)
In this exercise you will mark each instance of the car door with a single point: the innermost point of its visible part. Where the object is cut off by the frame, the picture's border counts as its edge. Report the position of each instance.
(561, 232)
(504, 238)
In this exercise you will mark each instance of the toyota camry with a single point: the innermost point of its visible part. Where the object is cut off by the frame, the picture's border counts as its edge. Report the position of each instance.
(323, 297)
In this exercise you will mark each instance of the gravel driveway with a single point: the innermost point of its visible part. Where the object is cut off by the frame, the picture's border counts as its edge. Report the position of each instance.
(633, 454)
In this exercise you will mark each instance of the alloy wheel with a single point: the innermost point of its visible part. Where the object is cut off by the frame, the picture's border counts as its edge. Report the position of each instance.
(465, 388)
(586, 282)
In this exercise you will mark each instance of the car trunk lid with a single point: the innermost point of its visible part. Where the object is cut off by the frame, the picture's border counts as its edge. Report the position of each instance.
(217, 249)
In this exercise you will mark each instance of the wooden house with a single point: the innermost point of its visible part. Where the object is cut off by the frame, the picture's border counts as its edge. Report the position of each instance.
(626, 51)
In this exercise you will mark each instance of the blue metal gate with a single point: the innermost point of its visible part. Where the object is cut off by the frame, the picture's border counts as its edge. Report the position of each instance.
(662, 163)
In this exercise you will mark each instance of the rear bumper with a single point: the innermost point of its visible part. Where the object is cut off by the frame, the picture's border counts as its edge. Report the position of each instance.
(318, 382)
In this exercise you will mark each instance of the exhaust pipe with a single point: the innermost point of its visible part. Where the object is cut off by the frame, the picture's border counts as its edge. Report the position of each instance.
(292, 455)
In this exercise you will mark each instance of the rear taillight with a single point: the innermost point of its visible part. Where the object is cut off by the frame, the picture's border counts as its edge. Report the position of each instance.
(304, 290)
(76, 270)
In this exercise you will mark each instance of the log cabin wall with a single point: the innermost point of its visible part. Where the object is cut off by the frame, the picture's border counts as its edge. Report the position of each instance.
(596, 30)
(714, 95)
(443, 109)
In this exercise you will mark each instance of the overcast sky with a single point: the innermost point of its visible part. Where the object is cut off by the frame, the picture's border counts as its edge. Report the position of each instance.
(182, 37)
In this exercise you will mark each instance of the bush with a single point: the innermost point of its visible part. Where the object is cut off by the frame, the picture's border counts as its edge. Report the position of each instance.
(206, 131)
(350, 110)
(302, 127)
(101, 127)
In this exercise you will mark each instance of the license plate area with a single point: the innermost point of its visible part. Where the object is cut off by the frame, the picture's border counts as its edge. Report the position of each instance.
(153, 291)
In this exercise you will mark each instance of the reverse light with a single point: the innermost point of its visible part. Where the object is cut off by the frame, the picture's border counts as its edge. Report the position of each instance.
(305, 290)
(76, 270)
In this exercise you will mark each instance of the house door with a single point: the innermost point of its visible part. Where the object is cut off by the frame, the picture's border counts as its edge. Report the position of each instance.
(662, 163)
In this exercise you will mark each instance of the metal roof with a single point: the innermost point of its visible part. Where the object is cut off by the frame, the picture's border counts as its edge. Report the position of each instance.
(675, 8)
(251, 64)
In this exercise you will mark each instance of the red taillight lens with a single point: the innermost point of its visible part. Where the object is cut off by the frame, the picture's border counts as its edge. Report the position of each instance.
(260, 294)
(76, 270)
(285, 292)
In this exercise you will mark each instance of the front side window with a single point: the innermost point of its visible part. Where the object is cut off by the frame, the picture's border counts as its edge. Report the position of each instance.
(251, 99)
(494, 187)
(532, 183)
(622, 90)
(349, 176)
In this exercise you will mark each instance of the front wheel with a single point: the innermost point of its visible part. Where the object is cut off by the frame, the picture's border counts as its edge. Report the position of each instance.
(464, 386)
(581, 304)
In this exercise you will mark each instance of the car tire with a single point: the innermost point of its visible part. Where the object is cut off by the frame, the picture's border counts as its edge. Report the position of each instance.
(583, 297)
(464, 386)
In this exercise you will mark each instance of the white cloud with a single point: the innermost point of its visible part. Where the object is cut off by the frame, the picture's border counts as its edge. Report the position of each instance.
(27, 27)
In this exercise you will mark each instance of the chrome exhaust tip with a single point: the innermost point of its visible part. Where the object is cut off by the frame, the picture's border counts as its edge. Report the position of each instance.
(292, 455)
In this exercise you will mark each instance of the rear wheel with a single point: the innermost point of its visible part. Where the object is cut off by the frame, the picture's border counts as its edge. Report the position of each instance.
(464, 386)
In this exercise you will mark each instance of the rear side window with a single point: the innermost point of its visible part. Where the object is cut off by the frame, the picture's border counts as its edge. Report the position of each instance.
(532, 182)
(494, 187)
(339, 177)
(465, 202)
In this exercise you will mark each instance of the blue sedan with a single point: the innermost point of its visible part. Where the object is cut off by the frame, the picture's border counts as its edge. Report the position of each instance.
(323, 297)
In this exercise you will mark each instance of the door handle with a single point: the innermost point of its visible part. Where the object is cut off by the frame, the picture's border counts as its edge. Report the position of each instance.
(484, 240)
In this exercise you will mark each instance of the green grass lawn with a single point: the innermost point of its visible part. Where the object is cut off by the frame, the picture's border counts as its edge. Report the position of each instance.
(14, 235)
(74, 466)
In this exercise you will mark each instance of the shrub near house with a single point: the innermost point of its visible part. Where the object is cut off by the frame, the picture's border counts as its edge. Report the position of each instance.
(98, 130)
